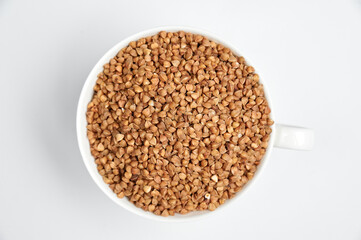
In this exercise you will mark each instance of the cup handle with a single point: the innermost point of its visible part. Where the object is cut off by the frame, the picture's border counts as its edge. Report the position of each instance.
(292, 137)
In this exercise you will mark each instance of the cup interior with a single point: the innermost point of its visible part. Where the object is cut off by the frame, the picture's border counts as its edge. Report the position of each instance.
(81, 124)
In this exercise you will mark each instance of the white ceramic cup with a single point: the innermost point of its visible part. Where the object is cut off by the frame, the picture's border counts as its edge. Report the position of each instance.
(282, 135)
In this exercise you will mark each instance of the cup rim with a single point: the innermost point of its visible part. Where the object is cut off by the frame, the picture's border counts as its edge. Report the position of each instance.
(84, 146)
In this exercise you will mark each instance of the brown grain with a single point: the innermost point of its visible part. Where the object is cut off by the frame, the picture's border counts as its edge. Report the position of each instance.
(177, 123)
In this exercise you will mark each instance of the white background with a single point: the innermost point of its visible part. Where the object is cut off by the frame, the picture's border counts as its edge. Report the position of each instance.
(309, 53)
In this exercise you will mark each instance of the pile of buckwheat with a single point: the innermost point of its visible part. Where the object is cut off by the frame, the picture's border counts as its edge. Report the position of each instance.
(177, 123)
